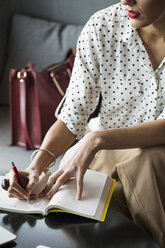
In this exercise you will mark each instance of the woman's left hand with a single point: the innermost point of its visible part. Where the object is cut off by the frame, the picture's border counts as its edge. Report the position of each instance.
(74, 164)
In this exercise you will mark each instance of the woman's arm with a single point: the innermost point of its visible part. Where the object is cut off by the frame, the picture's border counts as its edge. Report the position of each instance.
(139, 136)
(78, 158)
(57, 140)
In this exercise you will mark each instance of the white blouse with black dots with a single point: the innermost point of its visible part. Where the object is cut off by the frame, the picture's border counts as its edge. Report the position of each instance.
(111, 60)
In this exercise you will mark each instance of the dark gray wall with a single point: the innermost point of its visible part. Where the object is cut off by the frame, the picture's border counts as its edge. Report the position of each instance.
(64, 11)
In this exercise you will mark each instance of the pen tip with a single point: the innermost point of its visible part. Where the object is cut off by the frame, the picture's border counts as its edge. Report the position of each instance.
(13, 164)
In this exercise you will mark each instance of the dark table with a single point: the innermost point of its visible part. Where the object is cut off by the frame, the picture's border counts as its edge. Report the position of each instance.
(70, 231)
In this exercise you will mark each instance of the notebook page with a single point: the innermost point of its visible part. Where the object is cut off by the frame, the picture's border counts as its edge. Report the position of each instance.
(105, 193)
(93, 186)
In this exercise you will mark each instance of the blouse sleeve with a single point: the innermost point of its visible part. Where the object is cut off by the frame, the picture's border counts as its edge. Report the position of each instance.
(82, 95)
(162, 115)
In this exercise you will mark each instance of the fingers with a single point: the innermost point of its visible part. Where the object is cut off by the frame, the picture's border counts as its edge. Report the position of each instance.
(52, 180)
(42, 182)
(80, 176)
(32, 197)
(16, 190)
(62, 179)
(33, 180)
(14, 194)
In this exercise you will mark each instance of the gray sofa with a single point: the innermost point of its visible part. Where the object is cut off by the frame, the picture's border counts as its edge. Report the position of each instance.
(39, 31)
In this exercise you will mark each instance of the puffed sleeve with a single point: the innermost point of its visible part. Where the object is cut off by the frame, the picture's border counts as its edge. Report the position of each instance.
(162, 115)
(82, 95)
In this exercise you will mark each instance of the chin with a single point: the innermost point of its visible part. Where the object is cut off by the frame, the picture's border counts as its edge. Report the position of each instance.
(138, 24)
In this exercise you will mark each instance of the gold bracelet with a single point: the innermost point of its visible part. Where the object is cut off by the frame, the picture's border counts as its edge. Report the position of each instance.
(44, 150)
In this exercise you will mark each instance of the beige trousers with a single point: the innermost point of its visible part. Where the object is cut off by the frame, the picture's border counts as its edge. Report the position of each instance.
(139, 192)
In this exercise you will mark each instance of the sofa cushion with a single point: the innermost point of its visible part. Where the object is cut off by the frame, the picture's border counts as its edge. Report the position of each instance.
(37, 40)
(63, 11)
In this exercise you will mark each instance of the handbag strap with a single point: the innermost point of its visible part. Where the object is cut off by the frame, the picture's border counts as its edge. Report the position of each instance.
(23, 112)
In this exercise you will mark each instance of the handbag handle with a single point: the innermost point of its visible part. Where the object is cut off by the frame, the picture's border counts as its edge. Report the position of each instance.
(57, 83)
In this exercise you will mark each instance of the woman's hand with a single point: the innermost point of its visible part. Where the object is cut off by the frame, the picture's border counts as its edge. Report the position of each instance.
(74, 164)
(30, 179)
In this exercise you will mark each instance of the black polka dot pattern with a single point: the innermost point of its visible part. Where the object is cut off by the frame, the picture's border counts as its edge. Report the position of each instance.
(111, 60)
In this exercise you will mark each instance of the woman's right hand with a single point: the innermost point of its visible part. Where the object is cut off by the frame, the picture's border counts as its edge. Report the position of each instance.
(29, 177)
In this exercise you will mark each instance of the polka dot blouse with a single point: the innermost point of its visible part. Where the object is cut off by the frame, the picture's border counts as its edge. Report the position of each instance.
(112, 61)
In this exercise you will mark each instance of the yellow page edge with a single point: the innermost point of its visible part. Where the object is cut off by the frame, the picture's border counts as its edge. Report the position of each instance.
(108, 200)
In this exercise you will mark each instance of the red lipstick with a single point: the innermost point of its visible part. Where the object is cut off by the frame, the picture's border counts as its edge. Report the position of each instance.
(132, 14)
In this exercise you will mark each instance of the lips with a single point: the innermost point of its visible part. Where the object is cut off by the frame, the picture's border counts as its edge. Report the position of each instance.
(132, 14)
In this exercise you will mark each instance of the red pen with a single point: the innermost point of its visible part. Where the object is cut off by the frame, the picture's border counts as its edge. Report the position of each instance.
(18, 178)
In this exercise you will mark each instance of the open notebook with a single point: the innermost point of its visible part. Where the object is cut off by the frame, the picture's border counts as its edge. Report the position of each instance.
(97, 192)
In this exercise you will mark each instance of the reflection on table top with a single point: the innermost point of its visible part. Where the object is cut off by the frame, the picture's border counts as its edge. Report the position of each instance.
(70, 231)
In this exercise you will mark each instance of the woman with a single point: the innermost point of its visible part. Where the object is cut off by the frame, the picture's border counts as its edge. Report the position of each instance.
(120, 56)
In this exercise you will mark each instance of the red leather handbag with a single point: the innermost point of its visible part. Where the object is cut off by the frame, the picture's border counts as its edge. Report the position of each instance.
(34, 97)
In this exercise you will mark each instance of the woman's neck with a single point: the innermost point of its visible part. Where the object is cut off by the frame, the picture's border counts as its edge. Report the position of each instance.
(154, 31)
(154, 41)
(150, 35)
